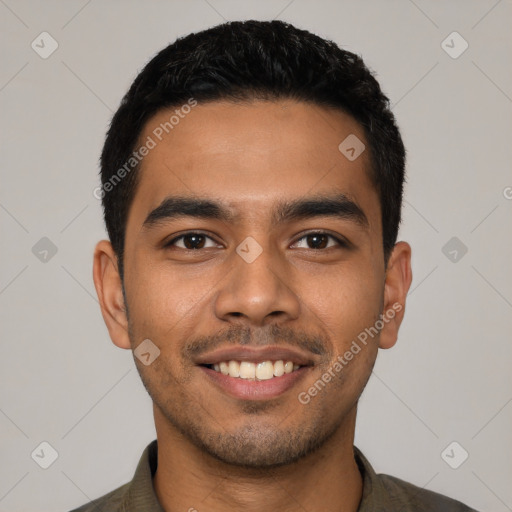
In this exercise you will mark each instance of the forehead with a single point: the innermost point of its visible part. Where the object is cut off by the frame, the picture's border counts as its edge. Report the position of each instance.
(250, 155)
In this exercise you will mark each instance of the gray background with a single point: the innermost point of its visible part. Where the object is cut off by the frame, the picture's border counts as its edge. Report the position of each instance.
(448, 378)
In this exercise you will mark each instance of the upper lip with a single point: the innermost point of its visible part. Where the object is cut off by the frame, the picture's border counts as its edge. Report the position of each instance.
(256, 355)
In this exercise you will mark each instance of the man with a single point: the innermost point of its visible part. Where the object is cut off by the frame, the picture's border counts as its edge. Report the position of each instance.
(252, 185)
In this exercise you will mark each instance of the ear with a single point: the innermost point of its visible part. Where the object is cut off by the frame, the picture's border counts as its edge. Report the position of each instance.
(396, 286)
(110, 293)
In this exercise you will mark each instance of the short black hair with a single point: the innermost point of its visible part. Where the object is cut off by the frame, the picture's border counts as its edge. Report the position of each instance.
(244, 61)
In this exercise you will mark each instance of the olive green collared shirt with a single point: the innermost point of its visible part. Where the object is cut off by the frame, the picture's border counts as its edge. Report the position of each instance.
(381, 493)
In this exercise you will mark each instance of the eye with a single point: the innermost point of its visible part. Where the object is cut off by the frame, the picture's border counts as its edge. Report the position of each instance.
(194, 241)
(319, 240)
(191, 241)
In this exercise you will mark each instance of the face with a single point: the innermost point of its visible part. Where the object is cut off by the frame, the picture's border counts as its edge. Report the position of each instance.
(252, 239)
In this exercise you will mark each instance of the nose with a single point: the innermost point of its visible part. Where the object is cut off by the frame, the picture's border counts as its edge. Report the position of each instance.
(259, 290)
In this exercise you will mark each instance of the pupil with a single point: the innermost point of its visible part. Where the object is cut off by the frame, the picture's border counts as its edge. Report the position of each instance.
(316, 237)
(194, 244)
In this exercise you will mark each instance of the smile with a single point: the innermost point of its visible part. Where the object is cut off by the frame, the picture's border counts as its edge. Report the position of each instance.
(264, 370)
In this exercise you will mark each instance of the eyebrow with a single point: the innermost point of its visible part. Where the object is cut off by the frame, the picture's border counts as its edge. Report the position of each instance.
(337, 206)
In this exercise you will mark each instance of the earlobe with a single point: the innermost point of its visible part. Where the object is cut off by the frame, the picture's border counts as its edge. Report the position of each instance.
(107, 282)
(396, 287)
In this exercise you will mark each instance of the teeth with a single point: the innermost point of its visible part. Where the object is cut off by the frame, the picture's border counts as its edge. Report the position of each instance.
(224, 368)
(264, 370)
(234, 368)
(247, 370)
(278, 368)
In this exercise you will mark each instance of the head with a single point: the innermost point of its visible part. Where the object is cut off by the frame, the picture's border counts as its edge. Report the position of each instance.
(237, 133)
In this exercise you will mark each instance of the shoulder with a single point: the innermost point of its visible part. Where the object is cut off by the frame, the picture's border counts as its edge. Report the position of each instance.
(138, 494)
(112, 501)
(387, 493)
(408, 497)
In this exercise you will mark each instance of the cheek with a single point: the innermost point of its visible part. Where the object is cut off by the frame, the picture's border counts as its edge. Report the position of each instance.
(349, 301)
(161, 300)
(347, 309)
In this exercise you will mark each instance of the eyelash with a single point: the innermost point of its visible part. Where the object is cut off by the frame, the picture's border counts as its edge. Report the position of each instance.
(340, 241)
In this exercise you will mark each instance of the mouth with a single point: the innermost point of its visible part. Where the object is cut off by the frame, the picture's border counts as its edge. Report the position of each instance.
(249, 373)
(249, 385)
(254, 371)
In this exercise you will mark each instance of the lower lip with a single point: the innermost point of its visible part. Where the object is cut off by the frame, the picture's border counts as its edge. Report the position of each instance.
(246, 389)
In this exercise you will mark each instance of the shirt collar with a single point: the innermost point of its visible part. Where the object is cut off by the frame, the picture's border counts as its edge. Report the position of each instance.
(374, 493)
(141, 493)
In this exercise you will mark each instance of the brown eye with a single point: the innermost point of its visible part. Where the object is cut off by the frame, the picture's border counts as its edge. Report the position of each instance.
(191, 241)
(320, 240)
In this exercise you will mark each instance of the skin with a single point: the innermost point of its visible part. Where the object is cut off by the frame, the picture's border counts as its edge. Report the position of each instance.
(216, 452)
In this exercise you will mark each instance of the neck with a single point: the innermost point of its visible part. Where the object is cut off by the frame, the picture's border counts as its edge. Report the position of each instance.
(187, 478)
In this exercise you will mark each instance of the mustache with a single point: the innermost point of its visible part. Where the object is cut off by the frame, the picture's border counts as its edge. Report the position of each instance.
(268, 336)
